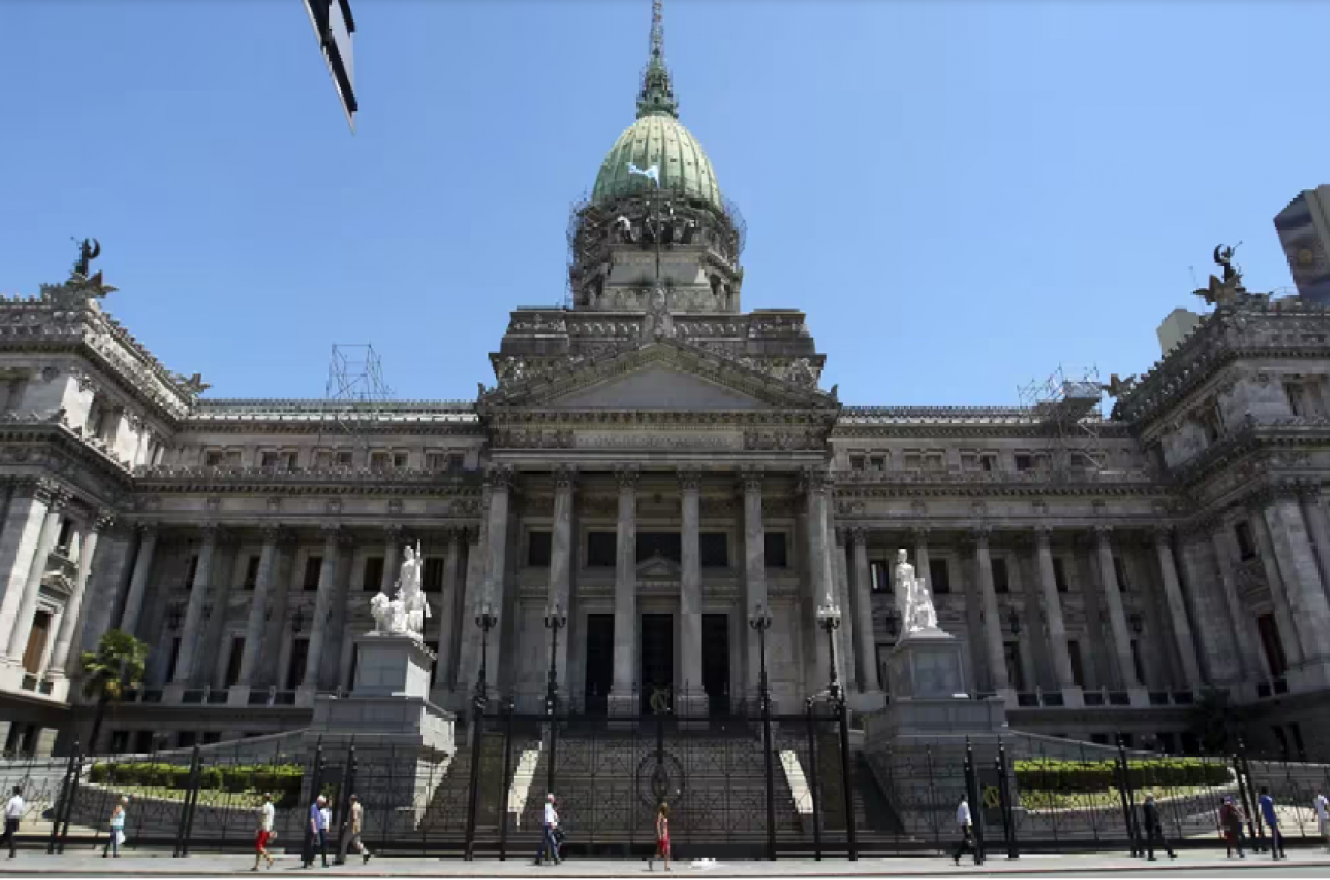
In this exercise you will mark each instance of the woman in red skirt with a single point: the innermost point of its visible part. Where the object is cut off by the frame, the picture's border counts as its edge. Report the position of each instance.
(662, 837)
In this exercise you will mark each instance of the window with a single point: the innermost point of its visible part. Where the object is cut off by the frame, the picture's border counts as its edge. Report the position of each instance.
(713, 549)
(1137, 662)
(877, 463)
(1246, 546)
(667, 545)
(66, 533)
(987, 462)
(233, 662)
(773, 550)
(856, 462)
(433, 575)
(378, 461)
(456, 462)
(1120, 572)
(1297, 400)
(373, 574)
(538, 549)
(879, 576)
(913, 460)
(934, 462)
(1077, 664)
(295, 666)
(343, 458)
(938, 576)
(251, 572)
(1011, 655)
(1211, 423)
(435, 461)
(174, 659)
(399, 459)
(1272, 644)
(312, 566)
(601, 549)
(1059, 574)
(323, 458)
(1023, 462)
(214, 457)
(1001, 583)
(268, 459)
(191, 572)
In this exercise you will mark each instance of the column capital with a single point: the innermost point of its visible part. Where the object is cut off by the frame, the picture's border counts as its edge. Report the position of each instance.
(393, 533)
(751, 476)
(859, 535)
(1308, 490)
(472, 534)
(103, 520)
(565, 476)
(147, 528)
(841, 535)
(334, 535)
(210, 532)
(919, 536)
(690, 479)
(276, 534)
(499, 477)
(626, 476)
(1163, 535)
(814, 481)
(43, 490)
(978, 535)
(1103, 534)
(1043, 534)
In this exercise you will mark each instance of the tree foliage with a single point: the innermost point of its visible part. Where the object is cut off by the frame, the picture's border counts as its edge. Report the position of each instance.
(119, 663)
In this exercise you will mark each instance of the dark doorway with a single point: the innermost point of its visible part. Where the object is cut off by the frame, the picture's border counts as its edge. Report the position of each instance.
(599, 662)
(716, 662)
(657, 645)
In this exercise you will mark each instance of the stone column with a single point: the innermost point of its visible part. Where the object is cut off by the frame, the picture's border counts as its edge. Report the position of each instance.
(1318, 526)
(198, 594)
(1117, 617)
(561, 547)
(921, 563)
(1290, 638)
(207, 667)
(18, 627)
(468, 656)
(997, 658)
(1057, 630)
(845, 636)
(694, 700)
(1177, 608)
(333, 538)
(755, 570)
(258, 615)
(392, 559)
(622, 698)
(1244, 624)
(863, 614)
(496, 573)
(1302, 586)
(448, 610)
(72, 620)
(138, 581)
(820, 586)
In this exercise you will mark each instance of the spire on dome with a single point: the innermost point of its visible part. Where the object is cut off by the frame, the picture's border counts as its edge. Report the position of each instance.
(657, 94)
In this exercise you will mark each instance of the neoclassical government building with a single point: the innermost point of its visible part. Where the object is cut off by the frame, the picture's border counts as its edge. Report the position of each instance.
(655, 462)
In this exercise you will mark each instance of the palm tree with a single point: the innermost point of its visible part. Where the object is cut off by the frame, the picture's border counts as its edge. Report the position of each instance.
(118, 664)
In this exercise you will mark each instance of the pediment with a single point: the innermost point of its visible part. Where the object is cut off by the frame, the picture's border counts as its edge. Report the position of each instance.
(658, 566)
(664, 375)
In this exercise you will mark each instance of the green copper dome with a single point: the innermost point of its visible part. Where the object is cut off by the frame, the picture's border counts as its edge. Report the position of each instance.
(657, 139)
(661, 140)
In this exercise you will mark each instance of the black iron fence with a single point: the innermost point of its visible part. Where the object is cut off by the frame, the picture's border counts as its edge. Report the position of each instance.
(738, 784)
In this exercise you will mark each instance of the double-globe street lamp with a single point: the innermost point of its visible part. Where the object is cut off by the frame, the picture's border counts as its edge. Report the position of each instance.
(555, 619)
(761, 622)
(487, 619)
(829, 618)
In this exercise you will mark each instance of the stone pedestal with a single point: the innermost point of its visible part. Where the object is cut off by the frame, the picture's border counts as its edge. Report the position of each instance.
(929, 694)
(396, 729)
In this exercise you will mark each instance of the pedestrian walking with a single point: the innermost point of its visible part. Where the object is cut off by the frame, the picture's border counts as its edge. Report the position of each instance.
(963, 820)
(355, 824)
(548, 843)
(1154, 828)
(316, 833)
(267, 831)
(1267, 805)
(1230, 826)
(117, 837)
(662, 838)
(13, 815)
(1322, 807)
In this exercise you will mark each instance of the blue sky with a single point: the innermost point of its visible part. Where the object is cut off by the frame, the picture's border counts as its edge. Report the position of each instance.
(961, 195)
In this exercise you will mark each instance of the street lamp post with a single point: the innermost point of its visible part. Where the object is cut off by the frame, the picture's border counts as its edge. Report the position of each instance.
(829, 618)
(761, 622)
(555, 619)
(486, 619)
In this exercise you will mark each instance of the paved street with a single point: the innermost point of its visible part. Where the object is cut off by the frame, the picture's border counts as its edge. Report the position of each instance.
(1305, 863)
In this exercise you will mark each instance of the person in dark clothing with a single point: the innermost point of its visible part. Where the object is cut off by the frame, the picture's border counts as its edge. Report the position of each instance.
(1267, 807)
(1154, 828)
(1230, 825)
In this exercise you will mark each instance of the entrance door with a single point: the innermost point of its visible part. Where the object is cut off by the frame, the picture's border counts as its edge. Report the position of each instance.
(716, 661)
(41, 630)
(657, 659)
(599, 662)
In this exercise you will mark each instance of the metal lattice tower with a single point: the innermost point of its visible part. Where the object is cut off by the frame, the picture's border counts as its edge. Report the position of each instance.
(1068, 407)
(355, 390)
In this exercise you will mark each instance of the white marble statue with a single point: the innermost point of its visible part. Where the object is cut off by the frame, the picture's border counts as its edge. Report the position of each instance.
(914, 601)
(406, 613)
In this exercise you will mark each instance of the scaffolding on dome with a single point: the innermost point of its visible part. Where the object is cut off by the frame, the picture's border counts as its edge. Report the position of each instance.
(356, 390)
(1068, 407)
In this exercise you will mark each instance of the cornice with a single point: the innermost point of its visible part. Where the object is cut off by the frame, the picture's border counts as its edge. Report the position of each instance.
(851, 484)
(1248, 438)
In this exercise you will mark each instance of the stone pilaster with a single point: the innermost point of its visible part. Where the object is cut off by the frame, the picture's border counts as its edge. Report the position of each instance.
(333, 539)
(1177, 608)
(138, 581)
(1302, 585)
(1057, 629)
(1252, 667)
(561, 552)
(1117, 617)
(863, 615)
(755, 570)
(625, 594)
(983, 563)
(198, 596)
(72, 620)
(21, 626)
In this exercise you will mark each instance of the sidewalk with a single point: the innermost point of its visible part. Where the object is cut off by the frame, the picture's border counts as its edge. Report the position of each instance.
(209, 864)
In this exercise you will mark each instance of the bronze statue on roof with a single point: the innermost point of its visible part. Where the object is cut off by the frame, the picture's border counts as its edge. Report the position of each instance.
(1223, 291)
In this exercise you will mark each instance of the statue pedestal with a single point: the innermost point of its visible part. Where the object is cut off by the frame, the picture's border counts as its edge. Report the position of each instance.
(405, 738)
(929, 694)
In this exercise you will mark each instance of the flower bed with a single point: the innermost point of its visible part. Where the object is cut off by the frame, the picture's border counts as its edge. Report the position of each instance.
(1095, 777)
(282, 781)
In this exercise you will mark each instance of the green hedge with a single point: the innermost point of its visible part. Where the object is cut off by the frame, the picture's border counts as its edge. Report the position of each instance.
(282, 781)
(1092, 776)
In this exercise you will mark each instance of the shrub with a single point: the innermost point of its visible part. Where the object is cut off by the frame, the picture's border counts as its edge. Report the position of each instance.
(1099, 776)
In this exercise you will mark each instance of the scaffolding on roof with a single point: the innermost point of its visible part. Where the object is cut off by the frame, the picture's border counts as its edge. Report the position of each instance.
(1068, 406)
(355, 390)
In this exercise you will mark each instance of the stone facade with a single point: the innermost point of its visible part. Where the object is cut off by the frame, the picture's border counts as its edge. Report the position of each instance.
(655, 462)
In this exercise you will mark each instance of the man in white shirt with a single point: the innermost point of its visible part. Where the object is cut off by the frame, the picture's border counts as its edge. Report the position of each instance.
(13, 813)
(1322, 815)
(963, 820)
(267, 824)
(547, 841)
